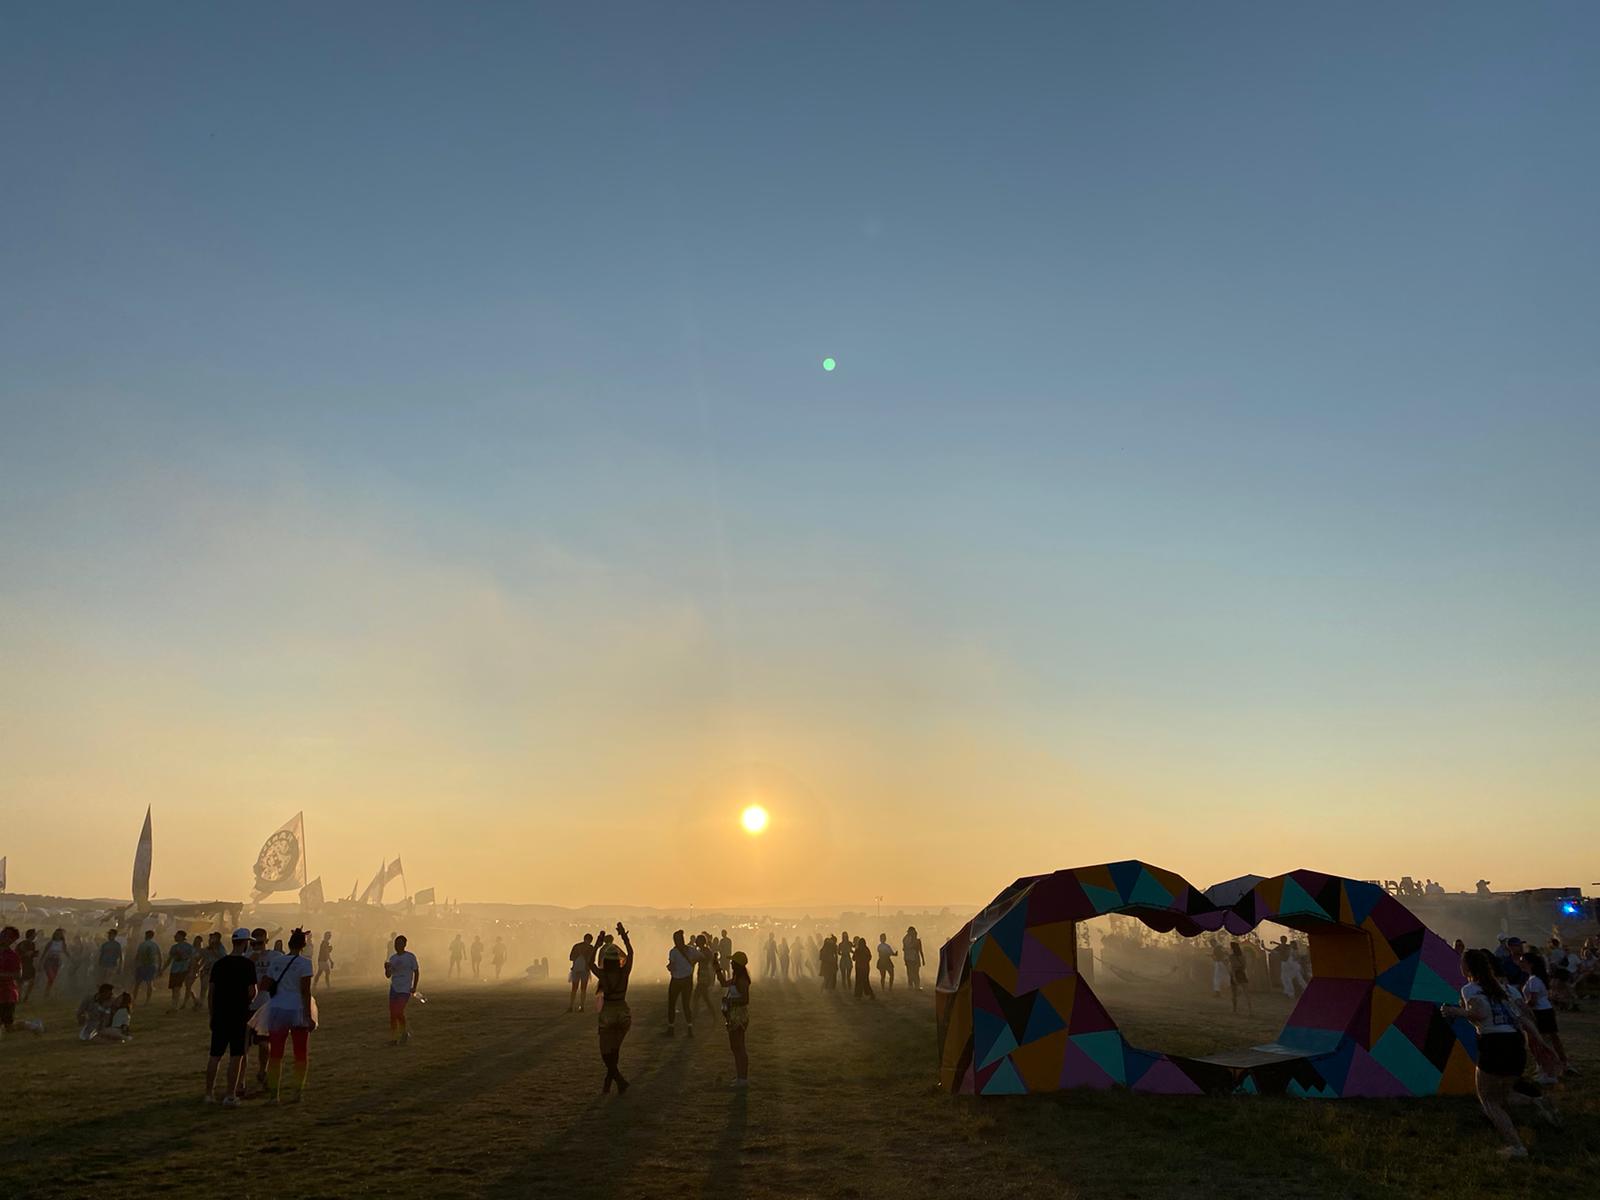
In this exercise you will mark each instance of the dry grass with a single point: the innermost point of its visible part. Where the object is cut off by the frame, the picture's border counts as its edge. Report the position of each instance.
(499, 1096)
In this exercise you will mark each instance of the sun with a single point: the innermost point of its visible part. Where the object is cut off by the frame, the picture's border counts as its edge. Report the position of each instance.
(754, 819)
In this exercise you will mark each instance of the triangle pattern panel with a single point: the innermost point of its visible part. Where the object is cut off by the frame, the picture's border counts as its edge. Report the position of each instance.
(1017, 1017)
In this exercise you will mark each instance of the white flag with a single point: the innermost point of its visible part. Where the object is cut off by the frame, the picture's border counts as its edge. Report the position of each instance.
(281, 865)
(2, 872)
(141, 865)
(311, 894)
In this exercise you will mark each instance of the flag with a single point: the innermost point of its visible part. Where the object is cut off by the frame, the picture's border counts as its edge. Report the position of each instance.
(281, 865)
(311, 894)
(425, 896)
(141, 865)
(2, 873)
(374, 892)
(355, 887)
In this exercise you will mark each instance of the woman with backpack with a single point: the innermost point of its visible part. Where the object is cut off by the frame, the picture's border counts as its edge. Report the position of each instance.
(290, 1017)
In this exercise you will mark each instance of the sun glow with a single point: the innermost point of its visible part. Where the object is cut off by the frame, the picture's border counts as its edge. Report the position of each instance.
(754, 819)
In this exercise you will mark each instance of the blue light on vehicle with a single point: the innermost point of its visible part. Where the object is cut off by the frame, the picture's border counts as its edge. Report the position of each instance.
(1569, 907)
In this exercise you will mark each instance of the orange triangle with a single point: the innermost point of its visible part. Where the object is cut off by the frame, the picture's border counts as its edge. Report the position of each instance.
(1096, 876)
(1386, 1006)
(1347, 915)
(1058, 937)
(1039, 1063)
(992, 961)
(1459, 1078)
(1060, 993)
(1383, 955)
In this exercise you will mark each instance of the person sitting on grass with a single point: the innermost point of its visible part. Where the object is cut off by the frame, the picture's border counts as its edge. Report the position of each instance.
(120, 1026)
(94, 1014)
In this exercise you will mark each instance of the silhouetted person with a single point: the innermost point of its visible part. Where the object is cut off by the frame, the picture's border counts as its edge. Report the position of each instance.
(611, 973)
(783, 959)
(846, 963)
(705, 973)
(861, 960)
(828, 960)
(680, 985)
(725, 947)
(1238, 978)
(769, 959)
(477, 957)
(736, 1014)
(911, 946)
(886, 957)
(582, 958)
(458, 951)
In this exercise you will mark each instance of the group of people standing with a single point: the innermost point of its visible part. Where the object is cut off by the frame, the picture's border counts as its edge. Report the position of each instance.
(842, 957)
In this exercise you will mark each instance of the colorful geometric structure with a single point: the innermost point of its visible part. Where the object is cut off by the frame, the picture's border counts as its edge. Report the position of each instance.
(1014, 1015)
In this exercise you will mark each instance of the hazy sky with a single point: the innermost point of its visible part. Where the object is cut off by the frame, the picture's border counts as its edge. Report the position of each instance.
(415, 416)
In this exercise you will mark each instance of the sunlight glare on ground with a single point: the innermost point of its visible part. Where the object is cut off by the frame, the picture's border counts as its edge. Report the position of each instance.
(754, 819)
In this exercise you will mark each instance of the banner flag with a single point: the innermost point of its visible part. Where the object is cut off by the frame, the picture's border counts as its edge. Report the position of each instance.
(311, 894)
(141, 865)
(355, 887)
(281, 865)
(425, 896)
(374, 890)
(2, 872)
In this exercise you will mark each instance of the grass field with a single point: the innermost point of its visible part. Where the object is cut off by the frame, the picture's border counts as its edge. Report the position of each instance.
(498, 1095)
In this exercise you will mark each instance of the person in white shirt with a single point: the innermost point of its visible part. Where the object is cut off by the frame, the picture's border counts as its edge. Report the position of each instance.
(405, 976)
(1536, 992)
(265, 961)
(1502, 1023)
(290, 1016)
(680, 966)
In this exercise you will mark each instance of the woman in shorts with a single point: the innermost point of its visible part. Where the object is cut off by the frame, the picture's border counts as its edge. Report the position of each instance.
(1536, 993)
(736, 1012)
(1501, 1022)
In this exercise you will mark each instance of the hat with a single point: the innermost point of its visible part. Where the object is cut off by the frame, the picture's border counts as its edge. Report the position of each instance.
(241, 934)
(1513, 940)
(739, 958)
(611, 952)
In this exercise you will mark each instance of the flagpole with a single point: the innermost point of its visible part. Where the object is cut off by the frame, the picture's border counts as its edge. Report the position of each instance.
(305, 858)
(404, 887)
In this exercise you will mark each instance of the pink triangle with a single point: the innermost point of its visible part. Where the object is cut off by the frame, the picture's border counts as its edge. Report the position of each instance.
(1040, 965)
(1368, 1078)
(1079, 1070)
(1167, 1078)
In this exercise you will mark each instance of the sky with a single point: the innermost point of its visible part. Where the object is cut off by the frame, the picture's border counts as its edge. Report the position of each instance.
(414, 415)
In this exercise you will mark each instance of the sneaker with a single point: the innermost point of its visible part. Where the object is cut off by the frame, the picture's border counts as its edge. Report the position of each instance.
(230, 1102)
(1518, 1151)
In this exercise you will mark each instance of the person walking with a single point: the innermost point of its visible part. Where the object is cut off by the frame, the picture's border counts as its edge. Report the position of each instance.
(705, 972)
(847, 949)
(1238, 979)
(612, 972)
(404, 975)
(10, 977)
(582, 958)
(769, 959)
(911, 947)
(477, 957)
(680, 985)
(725, 947)
(458, 951)
(109, 958)
(1502, 1024)
(199, 968)
(56, 955)
(886, 956)
(783, 960)
(146, 965)
(497, 956)
(180, 958)
(828, 961)
(735, 981)
(28, 954)
(231, 988)
(289, 1017)
(324, 974)
(861, 959)
(1536, 994)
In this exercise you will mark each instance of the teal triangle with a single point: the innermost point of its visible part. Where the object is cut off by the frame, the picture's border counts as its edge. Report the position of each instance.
(1297, 900)
(1363, 898)
(1005, 1082)
(986, 1027)
(1043, 1021)
(1004, 1043)
(1148, 891)
(1428, 986)
(1399, 1056)
(1103, 899)
(1399, 978)
(1125, 874)
(1007, 932)
(1248, 1087)
(1106, 1051)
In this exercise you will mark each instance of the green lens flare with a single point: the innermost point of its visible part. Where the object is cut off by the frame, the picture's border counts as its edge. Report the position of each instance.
(828, 364)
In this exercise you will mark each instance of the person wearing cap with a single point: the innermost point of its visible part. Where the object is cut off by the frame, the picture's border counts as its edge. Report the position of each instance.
(233, 987)
(736, 1012)
(611, 970)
